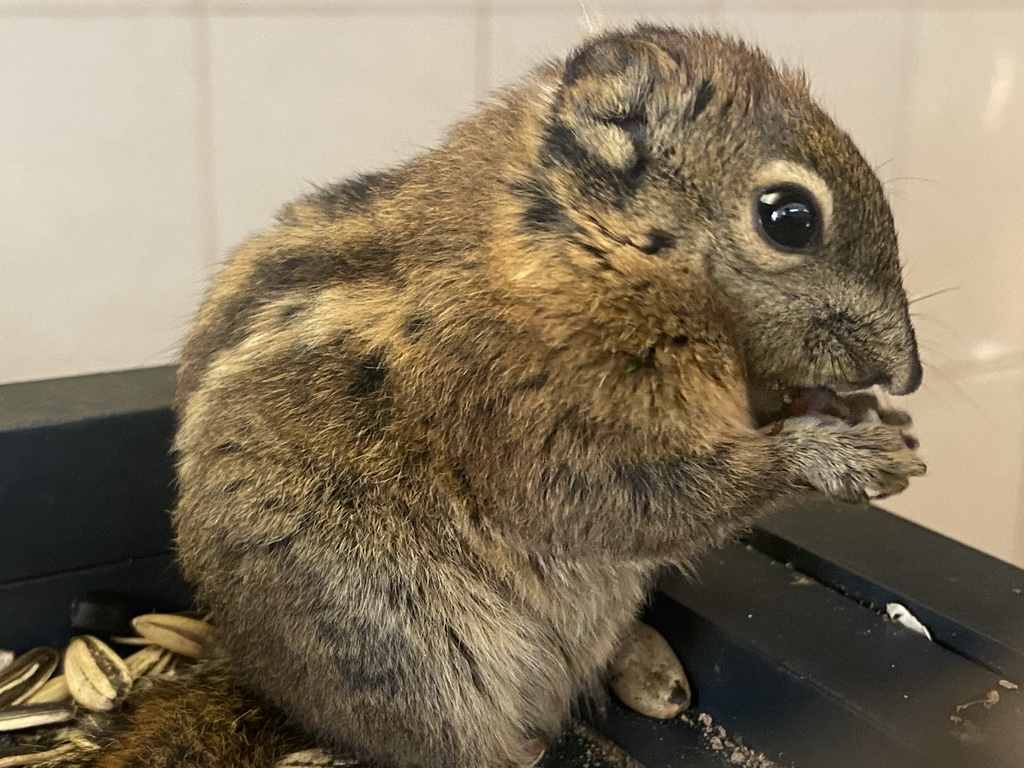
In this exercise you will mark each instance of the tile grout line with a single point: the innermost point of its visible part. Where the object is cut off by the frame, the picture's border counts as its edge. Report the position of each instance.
(260, 8)
(207, 166)
(63, 10)
(357, 9)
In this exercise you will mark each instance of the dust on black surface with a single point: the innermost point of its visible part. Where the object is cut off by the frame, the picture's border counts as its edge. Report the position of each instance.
(695, 741)
(582, 747)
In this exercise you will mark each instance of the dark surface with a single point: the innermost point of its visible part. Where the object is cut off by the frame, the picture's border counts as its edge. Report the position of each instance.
(971, 603)
(38, 611)
(81, 483)
(811, 677)
(661, 743)
(106, 613)
(802, 666)
(81, 398)
(581, 746)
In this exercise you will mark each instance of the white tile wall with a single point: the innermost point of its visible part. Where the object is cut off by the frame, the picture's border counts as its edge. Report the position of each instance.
(961, 215)
(520, 39)
(850, 57)
(83, 8)
(100, 261)
(140, 139)
(330, 97)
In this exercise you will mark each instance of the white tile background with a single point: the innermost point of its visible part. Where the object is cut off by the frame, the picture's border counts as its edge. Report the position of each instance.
(140, 139)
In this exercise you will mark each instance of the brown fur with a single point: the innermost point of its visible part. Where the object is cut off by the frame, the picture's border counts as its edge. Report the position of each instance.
(441, 425)
(199, 721)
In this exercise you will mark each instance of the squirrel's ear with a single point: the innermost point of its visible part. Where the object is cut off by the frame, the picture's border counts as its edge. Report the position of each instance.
(606, 85)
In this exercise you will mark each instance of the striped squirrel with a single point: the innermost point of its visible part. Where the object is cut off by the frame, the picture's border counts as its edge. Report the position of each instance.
(440, 426)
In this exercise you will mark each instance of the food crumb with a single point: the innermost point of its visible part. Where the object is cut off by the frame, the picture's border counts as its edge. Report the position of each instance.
(1008, 685)
(718, 740)
(901, 615)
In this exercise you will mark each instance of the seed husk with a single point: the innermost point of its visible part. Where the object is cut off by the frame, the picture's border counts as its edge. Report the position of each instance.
(36, 758)
(183, 635)
(33, 715)
(313, 758)
(130, 640)
(26, 674)
(55, 689)
(10, 750)
(6, 657)
(151, 660)
(646, 675)
(97, 677)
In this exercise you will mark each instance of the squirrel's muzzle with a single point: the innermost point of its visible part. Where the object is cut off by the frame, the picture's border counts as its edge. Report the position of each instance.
(899, 370)
(908, 378)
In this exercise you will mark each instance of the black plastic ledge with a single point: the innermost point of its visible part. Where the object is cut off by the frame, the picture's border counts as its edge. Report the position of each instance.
(970, 602)
(785, 640)
(85, 484)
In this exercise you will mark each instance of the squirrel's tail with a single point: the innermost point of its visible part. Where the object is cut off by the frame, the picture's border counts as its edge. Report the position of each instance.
(200, 719)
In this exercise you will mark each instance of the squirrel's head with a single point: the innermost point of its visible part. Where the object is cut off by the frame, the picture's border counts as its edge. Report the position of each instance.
(665, 157)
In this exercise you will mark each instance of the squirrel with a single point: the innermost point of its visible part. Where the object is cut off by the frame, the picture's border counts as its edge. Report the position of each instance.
(441, 426)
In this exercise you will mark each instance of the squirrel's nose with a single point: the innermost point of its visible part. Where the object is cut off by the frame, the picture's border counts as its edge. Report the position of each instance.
(900, 379)
(901, 382)
(911, 378)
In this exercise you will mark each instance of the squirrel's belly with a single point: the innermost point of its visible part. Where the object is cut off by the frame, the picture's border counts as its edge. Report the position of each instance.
(354, 645)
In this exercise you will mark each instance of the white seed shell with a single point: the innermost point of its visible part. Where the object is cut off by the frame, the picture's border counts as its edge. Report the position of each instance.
(37, 758)
(181, 634)
(56, 689)
(900, 614)
(151, 660)
(97, 677)
(27, 674)
(646, 674)
(314, 758)
(33, 715)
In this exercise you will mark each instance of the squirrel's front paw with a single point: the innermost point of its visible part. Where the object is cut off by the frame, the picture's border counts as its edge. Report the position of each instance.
(851, 462)
(878, 406)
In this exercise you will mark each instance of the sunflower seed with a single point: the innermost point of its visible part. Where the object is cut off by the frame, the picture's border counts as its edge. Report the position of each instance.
(19, 750)
(646, 674)
(151, 660)
(55, 689)
(19, 759)
(97, 677)
(32, 715)
(180, 634)
(130, 640)
(314, 758)
(26, 674)
(6, 657)
(36, 758)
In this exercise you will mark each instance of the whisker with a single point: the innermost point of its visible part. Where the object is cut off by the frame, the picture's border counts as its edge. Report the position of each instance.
(932, 294)
(909, 178)
(880, 167)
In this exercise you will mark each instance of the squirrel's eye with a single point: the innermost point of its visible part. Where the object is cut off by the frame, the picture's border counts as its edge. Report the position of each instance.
(788, 217)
